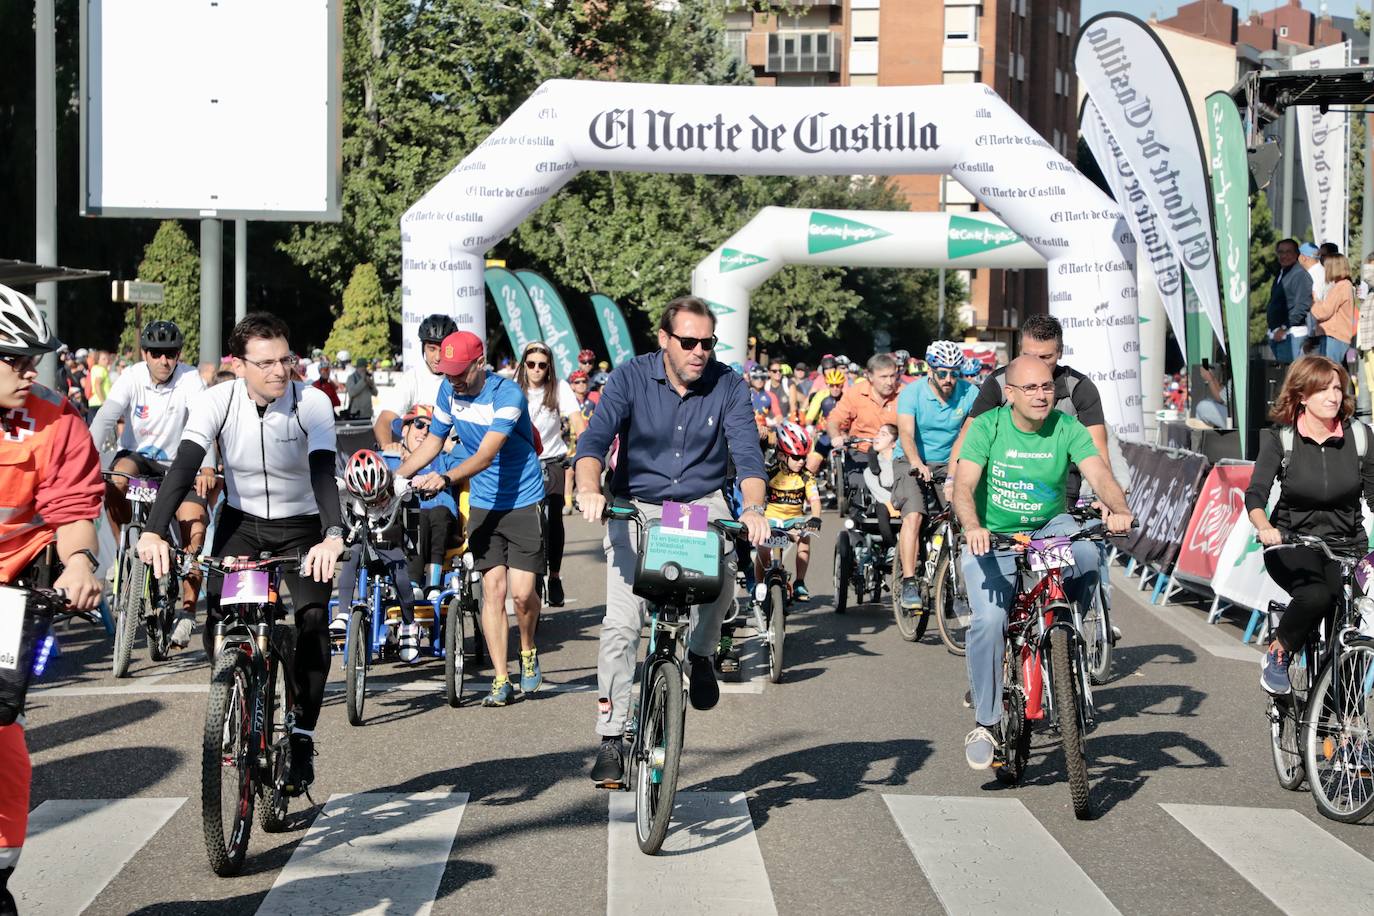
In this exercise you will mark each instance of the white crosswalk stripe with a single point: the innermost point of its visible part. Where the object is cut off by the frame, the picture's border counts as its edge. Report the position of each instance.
(374, 853)
(1269, 847)
(710, 862)
(990, 855)
(76, 847)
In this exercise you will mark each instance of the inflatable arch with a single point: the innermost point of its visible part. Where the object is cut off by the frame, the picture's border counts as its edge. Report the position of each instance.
(966, 131)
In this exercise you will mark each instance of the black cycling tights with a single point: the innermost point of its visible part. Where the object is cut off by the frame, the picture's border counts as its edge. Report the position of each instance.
(553, 532)
(242, 535)
(1313, 581)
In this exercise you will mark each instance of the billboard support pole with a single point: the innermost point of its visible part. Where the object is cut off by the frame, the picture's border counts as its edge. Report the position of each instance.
(211, 289)
(45, 150)
(240, 269)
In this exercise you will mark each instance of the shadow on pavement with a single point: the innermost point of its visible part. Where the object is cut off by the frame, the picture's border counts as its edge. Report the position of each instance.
(1129, 700)
(115, 773)
(48, 735)
(1126, 660)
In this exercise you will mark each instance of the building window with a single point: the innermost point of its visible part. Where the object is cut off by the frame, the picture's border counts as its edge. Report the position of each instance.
(961, 23)
(1283, 31)
(864, 24)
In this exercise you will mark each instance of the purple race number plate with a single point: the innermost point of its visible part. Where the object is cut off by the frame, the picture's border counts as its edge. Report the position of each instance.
(143, 489)
(682, 517)
(249, 586)
(1050, 553)
(1364, 572)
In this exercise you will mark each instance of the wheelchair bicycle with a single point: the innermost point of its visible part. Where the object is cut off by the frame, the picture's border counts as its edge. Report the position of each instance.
(866, 552)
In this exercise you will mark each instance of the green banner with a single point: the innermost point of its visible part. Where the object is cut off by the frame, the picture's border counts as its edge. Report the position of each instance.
(613, 329)
(554, 320)
(517, 312)
(973, 236)
(827, 232)
(1231, 196)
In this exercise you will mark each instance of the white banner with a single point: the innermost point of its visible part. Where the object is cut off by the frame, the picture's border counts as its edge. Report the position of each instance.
(1321, 143)
(1132, 79)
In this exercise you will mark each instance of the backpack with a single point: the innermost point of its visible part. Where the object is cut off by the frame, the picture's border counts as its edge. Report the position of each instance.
(1286, 437)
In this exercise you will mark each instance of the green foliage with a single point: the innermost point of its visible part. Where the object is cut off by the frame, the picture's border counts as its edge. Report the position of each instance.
(1355, 174)
(363, 327)
(169, 259)
(1264, 263)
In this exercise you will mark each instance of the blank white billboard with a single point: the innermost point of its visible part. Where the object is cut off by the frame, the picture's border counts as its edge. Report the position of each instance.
(224, 108)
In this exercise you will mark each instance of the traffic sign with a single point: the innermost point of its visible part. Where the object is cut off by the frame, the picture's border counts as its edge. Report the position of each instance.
(139, 291)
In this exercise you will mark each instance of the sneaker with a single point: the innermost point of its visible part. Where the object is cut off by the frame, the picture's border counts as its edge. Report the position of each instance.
(1116, 634)
(1274, 672)
(555, 590)
(181, 631)
(911, 594)
(727, 659)
(501, 694)
(610, 761)
(979, 747)
(567, 509)
(302, 772)
(408, 642)
(800, 592)
(702, 688)
(531, 678)
(968, 699)
(338, 627)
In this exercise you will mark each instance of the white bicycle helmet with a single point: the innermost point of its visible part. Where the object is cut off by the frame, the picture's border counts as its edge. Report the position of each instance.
(23, 330)
(793, 440)
(367, 477)
(945, 354)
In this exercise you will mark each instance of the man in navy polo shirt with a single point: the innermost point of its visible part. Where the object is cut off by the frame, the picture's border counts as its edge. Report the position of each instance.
(681, 416)
(496, 448)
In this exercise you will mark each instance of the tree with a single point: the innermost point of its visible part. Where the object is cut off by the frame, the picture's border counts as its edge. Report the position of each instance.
(363, 327)
(169, 259)
(1263, 264)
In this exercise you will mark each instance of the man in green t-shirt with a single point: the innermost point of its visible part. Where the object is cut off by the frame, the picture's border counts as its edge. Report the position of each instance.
(1012, 470)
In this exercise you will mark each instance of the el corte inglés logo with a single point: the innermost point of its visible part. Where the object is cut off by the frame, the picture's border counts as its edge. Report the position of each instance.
(827, 232)
(971, 236)
(730, 259)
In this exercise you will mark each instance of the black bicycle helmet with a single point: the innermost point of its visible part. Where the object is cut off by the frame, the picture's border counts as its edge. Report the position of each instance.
(161, 335)
(23, 330)
(436, 327)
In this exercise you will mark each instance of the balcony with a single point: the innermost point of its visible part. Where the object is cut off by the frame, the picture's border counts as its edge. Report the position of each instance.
(803, 52)
(963, 57)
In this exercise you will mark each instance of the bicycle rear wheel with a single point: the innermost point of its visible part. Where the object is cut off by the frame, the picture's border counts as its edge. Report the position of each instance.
(355, 664)
(844, 570)
(273, 804)
(1337, 746)
(1064, 680)
(911, 624)
(132, 583)
(777, 629)
(227, 762)
(1097, 635)
(454, 667)
(1015, 728)
(658, 753)
(951, 610)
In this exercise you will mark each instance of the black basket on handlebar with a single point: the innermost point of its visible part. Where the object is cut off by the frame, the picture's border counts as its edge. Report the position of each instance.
(678, 567)
(16, 661)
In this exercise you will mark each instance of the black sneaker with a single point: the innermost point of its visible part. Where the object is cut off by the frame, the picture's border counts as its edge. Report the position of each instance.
(702, 688)
(555, 589)
(302, 772)
(968, 699)
(610, 761)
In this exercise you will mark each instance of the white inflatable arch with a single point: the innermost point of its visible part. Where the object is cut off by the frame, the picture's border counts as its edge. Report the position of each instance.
(966, 131)
(779, 236)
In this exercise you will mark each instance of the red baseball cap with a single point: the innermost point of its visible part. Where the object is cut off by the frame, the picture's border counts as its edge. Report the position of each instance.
(459, 351)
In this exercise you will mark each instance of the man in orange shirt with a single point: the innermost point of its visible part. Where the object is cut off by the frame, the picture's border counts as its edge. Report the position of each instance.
(867, 406)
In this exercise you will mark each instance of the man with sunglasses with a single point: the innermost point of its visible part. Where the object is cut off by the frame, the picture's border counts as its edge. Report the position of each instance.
(681, 418)
(153, 399)
(1012, 479)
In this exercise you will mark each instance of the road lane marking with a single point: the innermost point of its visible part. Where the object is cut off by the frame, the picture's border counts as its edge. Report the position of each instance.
(1271, 847)
(373, 852)
(710, 861)
(989, 855)
(76, 846)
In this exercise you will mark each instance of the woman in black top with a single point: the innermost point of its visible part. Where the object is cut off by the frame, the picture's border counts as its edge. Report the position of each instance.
(1320, 491)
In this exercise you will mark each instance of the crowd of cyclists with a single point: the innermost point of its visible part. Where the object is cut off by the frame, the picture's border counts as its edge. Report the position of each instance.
(492, 462)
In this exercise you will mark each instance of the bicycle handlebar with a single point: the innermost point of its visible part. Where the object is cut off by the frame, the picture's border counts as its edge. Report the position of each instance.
(725, 527)
(1293, 539)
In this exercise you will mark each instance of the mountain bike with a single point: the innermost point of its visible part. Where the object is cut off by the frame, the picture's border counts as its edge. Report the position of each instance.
(1044, 668)
(245, 751)
(678, 567)
(1330, 716)
(772, 598)
(943, 596)
(141, 598)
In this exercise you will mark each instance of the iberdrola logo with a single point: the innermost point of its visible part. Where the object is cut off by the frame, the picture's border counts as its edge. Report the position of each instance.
(730, 259)
(972, 236)
(827, 232)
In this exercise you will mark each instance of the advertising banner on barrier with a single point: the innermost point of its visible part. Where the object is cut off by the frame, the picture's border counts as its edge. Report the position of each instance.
(1240, 574)
(1231, 203)
(1130, 76)
(1321, 140)
(619, 345)
(514, 306)
(1162, 490)
(554, 320)
(1219, 508)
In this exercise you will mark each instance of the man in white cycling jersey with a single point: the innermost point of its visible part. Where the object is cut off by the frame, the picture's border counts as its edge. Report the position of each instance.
(153, 398)
(276, 439)
(417, 385)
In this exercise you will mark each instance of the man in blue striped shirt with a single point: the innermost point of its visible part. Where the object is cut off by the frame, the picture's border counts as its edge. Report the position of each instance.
(681, 418)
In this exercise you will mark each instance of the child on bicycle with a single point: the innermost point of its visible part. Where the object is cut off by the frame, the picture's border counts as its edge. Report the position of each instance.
(441, 515)
(792, 493)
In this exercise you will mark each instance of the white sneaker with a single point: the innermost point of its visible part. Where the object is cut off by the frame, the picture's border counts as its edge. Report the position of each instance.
(338, 627)
(181, 631)
(979, 747)
(408, 640)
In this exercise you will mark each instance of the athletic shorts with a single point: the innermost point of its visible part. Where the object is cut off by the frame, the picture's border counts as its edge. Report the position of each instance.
(513, 538)
(555, 480)
(909, 494)
(147, 467)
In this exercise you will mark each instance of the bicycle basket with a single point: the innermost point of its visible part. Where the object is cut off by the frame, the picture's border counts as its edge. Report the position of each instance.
(24, 625)
(679, 567)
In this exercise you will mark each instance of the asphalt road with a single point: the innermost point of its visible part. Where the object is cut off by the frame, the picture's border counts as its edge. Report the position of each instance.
(844, 789)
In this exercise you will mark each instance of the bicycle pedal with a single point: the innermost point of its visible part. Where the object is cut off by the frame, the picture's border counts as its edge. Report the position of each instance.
(612, 785)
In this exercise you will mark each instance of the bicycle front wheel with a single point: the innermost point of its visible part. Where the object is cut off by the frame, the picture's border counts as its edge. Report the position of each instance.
(161, 613)
(454, 669)
(658, 752)
(355, 664)
(132, 584)
(1338, 750)
(226, 764)
(272, 807)
(1067, 701)
(1097, 634)
(844, 570)
(777, 630)
(911, 624)
(951, 610)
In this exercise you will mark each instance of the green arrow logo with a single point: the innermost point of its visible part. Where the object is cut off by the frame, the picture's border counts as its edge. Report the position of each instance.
(1143, 319)
(730, 259)
(826, 233)
(720, 309)
(971, 236)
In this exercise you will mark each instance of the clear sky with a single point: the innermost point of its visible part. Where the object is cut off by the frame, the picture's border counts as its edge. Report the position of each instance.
(1166, 8)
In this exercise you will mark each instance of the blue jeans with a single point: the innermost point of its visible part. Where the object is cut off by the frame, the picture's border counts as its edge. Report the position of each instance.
(1334, 349)
(991, 581)
(1283, 349)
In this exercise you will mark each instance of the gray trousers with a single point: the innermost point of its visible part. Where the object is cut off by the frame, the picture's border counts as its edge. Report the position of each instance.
(625, 616)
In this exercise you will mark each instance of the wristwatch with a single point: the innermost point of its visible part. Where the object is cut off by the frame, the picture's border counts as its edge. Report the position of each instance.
(333, 532)
(83, 552)
(757, 509)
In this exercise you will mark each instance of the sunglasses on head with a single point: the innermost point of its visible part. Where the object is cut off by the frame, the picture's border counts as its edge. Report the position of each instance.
(536, 364)
(691, 343)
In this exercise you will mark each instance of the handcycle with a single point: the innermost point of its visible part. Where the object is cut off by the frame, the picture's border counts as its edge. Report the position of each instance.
(677, 568)
(141, 598)
(771, 599)
(1323, 730)
(1044, 668)
(865, 552)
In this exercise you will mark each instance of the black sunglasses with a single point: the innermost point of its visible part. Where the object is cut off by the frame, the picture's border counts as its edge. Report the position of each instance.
(691, 343)
(164, 354)
(420, 424)
(536, 364)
